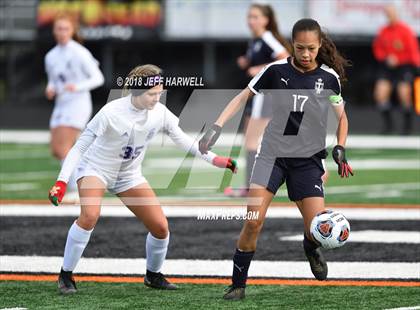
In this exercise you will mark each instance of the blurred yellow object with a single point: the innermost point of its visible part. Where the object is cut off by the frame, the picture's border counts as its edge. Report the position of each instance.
(417, 95)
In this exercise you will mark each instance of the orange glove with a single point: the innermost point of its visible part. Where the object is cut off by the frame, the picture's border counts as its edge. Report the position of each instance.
(57, 192)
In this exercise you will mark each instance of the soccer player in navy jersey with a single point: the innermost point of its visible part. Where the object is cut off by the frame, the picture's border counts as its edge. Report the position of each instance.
(304, 87)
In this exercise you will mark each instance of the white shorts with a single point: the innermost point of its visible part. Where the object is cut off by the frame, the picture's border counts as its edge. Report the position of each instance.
(71, 114)
(113, 184)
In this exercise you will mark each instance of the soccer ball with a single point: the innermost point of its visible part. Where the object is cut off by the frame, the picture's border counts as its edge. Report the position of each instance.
(331, 229)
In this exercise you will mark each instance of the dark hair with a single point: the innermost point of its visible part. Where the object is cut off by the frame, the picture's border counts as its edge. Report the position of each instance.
(272, 26)
(328, 53)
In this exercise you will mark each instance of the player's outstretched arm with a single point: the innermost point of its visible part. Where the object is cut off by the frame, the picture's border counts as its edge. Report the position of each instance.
(57, 192)
(339, 152)
(185, 142)
(213, 133)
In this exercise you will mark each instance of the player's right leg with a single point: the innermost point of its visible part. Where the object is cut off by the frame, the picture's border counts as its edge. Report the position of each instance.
(309, 207)
(259, 198)
(382, 95)
(91, 191)
(142, 201)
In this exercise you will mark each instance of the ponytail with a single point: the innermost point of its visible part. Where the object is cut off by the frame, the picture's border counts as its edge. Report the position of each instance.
(272, 26)
(329, 55)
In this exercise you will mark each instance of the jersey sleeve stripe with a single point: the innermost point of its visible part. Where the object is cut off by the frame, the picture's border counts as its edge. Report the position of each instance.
(273, 43)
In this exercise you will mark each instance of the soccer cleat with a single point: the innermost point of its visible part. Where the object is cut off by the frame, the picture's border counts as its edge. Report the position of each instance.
(66, 283)
(318, 263)
(157, 280)
(234, 293)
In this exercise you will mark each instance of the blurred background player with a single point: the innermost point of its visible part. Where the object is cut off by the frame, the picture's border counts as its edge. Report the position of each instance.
(267, 45)
(397, 51)
(72, 72)
(315, 60)
(109, 155)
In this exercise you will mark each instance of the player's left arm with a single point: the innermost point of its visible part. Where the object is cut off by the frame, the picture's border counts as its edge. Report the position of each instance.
(188, 144)
(339, 151)
(90, 67)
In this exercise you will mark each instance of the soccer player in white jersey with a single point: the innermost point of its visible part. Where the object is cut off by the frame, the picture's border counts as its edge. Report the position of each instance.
(108, 155)
(72, 72)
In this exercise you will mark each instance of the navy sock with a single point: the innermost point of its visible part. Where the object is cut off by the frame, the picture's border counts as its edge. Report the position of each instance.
(241, 262)
(309, 244)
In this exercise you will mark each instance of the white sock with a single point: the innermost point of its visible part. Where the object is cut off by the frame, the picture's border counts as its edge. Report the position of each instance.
(155, 252)
(71, 184)
(77, 239)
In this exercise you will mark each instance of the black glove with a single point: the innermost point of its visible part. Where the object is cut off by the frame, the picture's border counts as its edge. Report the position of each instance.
(209, 138)
(339, 155)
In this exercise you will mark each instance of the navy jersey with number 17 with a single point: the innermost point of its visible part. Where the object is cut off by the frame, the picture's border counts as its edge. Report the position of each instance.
(301, 108)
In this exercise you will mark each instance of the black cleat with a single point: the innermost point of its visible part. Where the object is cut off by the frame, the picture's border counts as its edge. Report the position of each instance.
(157, 280)
(66, 283)
(318, 263)
(234, 293)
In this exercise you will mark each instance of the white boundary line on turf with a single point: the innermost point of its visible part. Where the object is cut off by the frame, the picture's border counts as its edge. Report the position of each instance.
(353, 141)
(373, 236)
(405, 308)
(197, 267)
(196, 211)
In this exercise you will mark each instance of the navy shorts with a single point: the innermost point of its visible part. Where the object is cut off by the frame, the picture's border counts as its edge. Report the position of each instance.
(302, 176)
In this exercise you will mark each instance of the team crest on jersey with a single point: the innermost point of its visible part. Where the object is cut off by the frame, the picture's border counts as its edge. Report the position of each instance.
(319, 86)
(257, 46)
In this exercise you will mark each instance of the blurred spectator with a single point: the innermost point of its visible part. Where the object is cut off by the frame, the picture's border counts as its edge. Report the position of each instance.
(397, 51)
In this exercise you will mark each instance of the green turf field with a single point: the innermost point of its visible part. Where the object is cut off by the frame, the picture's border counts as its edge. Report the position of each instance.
(27, 171)
(43, 295)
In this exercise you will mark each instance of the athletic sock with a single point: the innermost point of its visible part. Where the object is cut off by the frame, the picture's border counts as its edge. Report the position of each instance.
(250, 158)
(77, 239)
(241, 262)
(155, 252)
(309, 244)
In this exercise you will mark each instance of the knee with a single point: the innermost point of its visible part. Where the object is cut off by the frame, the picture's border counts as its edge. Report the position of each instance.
(252, 228)
(58, 152)
(160, 230)
(88, 220)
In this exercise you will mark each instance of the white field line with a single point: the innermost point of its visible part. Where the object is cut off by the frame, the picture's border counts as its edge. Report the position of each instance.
(357, 164)
(189, 267)
(19, 186)
(349, 189)
(228, 139)
(115, 209)
(199, 165)
(23, 154)
(373, 236)
(28, 175)
(405, 308)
